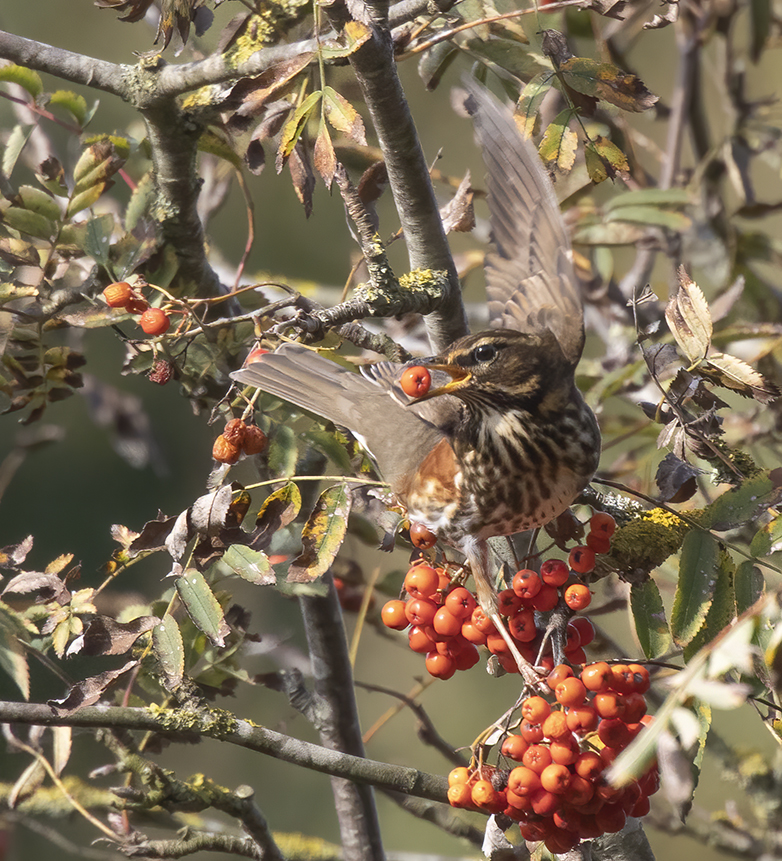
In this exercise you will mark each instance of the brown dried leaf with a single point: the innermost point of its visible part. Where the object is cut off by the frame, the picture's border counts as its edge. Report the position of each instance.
(13, 555)
(689, 319)
(50, 587)
(323, 157)
(256, 92)
(105, 636)
(458, 214)
(740, 377)
(89, 691)
(608, 82)
(303, 177)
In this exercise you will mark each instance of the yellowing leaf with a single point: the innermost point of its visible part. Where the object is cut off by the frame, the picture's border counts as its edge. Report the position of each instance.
(352, 37)
(608, 82)
(604, 159)
(343, 116)
(291, 131)
(529, 102)
(322, 535)
(559, 143)
(689, 319)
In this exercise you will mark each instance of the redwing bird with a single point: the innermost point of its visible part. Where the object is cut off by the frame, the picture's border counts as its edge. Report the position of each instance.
(507, 443)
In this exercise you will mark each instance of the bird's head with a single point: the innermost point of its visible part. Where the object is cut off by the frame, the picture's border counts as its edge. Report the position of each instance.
(504, 368)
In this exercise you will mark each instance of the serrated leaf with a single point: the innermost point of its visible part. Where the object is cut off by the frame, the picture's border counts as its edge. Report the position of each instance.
(559, 143)
(530, 100)
(651, 626)
(14, 145)
(322, 535)
(75, 104)
(748, 585)
(608, 82)
(97, 238)
(354, 34)
(323, 156)
(13, 656)
(689, 318)
(721, 608)
(84, 199)
(698, 572)
(741, 504)
(89, 691)
(740, 377)
(202, 606)
(279, 508)
(37, 200)
(24, 77)
(251, 565)
(604, 159)
(169, 651)
(343, 116)
(31, 223)
(291, 131)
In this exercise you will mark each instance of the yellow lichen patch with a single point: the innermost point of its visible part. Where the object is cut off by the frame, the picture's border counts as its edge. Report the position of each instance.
(647, 542)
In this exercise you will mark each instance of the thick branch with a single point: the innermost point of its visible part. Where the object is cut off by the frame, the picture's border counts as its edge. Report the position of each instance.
(176, 723)
(408, 172)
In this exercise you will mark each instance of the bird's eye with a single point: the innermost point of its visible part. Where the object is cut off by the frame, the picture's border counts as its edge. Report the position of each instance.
(485, 352)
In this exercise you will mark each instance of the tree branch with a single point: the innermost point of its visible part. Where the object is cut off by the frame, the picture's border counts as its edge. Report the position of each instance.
(225, 727)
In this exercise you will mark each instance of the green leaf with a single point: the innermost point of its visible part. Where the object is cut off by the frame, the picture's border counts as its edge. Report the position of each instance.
(291, 131)
(26, 78)
(31, 223)
(13, 656)
(14, 146)
(768, 538)
(250, 565)
(141, 200)
(169, 651)
(283, 451)
(665, 197)
(97, 238)
(748, 585)
(529, 102)
(652, 215)
(721, 608)
(559, 143)
(322, 535)
(509, 55)
(202, 606)
(742, 504)
(435, 62)
(651, 626)
(608, 82)
(698, 574)
(76, 105)
(37, 200)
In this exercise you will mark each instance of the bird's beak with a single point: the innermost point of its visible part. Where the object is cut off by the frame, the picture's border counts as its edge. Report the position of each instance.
(459, 378)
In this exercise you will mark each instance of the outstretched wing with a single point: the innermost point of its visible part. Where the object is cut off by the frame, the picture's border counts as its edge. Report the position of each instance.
(530, 282)
(395, 435)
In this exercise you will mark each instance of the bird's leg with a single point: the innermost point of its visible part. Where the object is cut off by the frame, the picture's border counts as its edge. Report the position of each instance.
(477, 553)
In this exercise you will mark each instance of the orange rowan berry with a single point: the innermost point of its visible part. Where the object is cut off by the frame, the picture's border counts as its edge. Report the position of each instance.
(589, 765)
(532, 733)
(614, 733)
(535, 709)
(460, 602)
(558, 674)
(597, 676)
(523, 781)
(546, 599)
(602, 523)
(634, 708)
(421, 536)
(118, 294)
(415, 381)
(224, 451)
(460, 795)
(611, 818)
(580, 790)
(577, 596)
(421, 581)
(446, 623)
(393, 615)
(554, 572)
(608, 705)
(582, 559)
(420, 611)
(564, 750)
(467, 657)
(582, 719)
(440, 666)
(483, 793)
(460, 774)
(482, 622)
(514, 747)
(598, 542)
(526, 584)
(537, 757)
(640, 678)
(419, 640)
(555, 725)
(570, 692)
(544, 803)
(508, 602)
(522, 625)
(471, 633)
(154, 321)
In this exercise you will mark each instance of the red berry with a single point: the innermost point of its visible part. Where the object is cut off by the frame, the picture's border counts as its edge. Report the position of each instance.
(597, 542)
(597, 677)
(224, 451)
(446, 623)
(586, 630)
(415, 381)
(393, 615)
(589, 765)
(526, 584)
(554, 572)
(508, 602)
(254, 440)
(420, 611)
(640, 677)
(582, 559)
(555, 778)
(155, 321)
(514, 747)
(234, 431)
(458, 775)
(555, 725)
(460, 602)
(460, 795)
(546, 599)
(522, 625)
(582, 719)
(532, 733)
(118, 294)
(577, 596)
(421, 536)
(560, 672)
(570, 692)
(535, 709)
(473, 634)
(440, 666)
(419, 640)
(523, 781)
(602, 524)
(537, 757)
(421, 581)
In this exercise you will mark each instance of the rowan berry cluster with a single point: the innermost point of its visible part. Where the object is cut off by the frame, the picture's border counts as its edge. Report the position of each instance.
(447, 625)
(558, 793)
(154, 321)
(236, 439)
